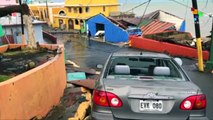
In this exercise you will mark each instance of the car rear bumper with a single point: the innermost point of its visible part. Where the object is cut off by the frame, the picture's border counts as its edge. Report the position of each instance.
(109, 116)
(198, 118)
(101, 116)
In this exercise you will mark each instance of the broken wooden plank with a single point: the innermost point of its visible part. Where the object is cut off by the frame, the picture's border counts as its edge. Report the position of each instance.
(88, 83)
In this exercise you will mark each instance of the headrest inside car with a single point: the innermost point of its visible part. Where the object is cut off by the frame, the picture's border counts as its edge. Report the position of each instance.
(161, 71)
(122, 69)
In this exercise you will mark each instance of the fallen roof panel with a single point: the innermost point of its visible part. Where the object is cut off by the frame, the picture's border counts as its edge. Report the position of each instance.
(156, 26)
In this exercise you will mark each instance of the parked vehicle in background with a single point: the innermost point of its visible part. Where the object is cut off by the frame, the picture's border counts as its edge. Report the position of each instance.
(146, 86)
(135, 31)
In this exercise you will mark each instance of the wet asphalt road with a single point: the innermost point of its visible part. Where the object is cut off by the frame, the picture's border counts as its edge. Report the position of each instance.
(78, 50)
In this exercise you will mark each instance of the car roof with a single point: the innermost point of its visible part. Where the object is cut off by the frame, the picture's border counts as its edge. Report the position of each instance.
(142, 54)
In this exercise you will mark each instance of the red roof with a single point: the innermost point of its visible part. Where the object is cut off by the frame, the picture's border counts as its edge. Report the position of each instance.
(156, 26)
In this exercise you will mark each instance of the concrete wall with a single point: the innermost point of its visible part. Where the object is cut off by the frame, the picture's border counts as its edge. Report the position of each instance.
(33, 93)
(15, 31)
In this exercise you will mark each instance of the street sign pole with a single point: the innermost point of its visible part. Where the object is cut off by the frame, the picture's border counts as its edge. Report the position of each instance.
(198, 37)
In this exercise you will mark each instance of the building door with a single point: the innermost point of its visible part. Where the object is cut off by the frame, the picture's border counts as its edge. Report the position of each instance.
(60, 22)
(99, 27)
(71, 26)
(100, 30)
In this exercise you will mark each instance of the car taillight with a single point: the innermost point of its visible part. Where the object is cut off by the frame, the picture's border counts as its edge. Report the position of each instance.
(195, 102)
(101, 98)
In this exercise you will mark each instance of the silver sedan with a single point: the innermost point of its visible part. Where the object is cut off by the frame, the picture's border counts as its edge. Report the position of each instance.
(146, 86)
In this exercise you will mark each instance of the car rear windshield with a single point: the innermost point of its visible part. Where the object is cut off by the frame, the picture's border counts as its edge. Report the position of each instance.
(143, 68)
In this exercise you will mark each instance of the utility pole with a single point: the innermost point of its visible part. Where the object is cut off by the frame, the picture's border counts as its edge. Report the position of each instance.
(209, 64)
(22, 25)
(47, 11)
(198, 37)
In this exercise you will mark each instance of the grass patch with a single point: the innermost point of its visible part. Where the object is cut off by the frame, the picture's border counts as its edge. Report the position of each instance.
(4, 78)
(24, 52)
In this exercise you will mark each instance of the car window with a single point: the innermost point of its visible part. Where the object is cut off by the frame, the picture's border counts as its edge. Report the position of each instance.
(143, 68)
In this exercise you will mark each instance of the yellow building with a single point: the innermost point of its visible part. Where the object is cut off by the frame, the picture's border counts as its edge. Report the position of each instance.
(45, 12)
(77, 11)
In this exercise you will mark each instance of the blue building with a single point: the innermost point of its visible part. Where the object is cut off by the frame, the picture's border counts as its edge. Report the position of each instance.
(112, 31)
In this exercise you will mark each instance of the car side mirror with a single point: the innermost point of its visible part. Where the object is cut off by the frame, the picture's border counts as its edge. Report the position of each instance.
(179, 61)
(99, 66)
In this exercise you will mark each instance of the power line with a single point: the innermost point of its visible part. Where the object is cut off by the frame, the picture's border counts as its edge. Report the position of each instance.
(144, 12)
(137, 6)
(186, 6)
(207, 22)
(186, 10)
(180, 3)
(124, 4)
(205, 5)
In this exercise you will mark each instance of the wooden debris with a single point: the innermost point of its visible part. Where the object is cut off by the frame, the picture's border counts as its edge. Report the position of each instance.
(72, 63)
(88, 83)
(82, 109)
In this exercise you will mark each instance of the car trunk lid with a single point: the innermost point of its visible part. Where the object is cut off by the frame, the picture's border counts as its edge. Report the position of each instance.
(138, 95)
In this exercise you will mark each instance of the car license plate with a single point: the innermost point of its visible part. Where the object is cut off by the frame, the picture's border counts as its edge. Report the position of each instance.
(151, 105)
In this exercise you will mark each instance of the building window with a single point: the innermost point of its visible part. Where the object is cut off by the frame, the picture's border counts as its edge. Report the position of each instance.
(76, 22)
(70, 9)
(62, 13)
(70, 22)
(45, 13)
(104, 8)
(60, 21)
(80, 10)
(75, 10)
(87, 9)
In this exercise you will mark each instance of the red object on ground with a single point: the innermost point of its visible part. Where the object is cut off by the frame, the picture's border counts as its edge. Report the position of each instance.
(172, 49)
(8, 38)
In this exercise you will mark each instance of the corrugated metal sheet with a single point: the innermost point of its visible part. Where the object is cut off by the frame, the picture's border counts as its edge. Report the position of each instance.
(145, 22)
(127, 24)
(156, 26)
(134, 21)
(148, 18)
(117, 23)
(152, 15)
